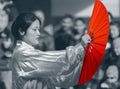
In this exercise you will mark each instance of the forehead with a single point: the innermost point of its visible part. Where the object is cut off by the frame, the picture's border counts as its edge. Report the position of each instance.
(79, 22)
(114, 25)
(67, 19)
(35, 23)
(112, 71)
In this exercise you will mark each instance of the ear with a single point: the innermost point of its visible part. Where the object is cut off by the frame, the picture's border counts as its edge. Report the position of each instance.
(22, 33)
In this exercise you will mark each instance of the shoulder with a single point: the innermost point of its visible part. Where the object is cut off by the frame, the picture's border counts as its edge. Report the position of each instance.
(18, 52)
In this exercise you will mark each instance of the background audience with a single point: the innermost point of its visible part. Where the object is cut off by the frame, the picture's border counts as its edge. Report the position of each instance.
(69, 32)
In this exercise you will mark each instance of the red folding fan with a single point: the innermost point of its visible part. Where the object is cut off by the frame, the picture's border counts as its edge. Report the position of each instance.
(98, 30)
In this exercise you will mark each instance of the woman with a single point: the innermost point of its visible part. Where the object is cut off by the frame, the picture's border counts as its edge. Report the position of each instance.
(35, 69)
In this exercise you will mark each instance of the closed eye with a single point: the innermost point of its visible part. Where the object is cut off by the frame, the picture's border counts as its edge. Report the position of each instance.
(34, 29)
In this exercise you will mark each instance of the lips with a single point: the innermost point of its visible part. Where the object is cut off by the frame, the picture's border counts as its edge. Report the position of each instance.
(37, 38)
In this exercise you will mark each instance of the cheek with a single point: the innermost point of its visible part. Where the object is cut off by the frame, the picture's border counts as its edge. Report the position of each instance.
(29, 36)
(32, 38)
(112, 32)
(117, 33)
(113, 80)
(114, 35)
(117, 51)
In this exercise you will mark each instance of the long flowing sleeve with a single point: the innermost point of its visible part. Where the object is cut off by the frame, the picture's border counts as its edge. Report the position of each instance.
(58, 66)
(70, 75)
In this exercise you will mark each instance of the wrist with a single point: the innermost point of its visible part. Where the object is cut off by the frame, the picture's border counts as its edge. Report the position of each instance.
(83, 44)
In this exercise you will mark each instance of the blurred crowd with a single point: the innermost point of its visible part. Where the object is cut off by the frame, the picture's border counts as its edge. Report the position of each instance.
(68, 32)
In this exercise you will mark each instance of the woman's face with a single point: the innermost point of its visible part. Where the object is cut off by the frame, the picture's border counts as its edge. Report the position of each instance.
(32, 34)
(114, 31)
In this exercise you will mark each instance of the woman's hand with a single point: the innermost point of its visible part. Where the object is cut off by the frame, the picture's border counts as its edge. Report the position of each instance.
(85, 40)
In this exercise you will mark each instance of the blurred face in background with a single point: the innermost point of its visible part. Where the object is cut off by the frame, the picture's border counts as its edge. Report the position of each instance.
(114, 31)
(67, 23)
(32, 34)
(41, 16)
(79, 26)
(112, 74)
(116, 45)
(4, 19)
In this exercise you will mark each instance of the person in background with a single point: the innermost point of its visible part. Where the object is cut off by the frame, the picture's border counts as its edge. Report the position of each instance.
(36, 69)
(64, 36)
(79, 29)
(41, 16)
(5, 46)
(112, 66)
(115, 55)
(96, 79)
(3, 25)
(111, 80)
(5, 35)
(114, 33)
(2, 84)
(114, 30)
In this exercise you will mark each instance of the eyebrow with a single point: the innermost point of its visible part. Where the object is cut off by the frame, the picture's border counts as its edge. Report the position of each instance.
(36, 27)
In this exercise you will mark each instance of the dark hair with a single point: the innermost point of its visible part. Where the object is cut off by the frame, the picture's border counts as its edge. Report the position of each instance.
(111, 16)
(22, 23)
(117, 23)
(81, 19)
(67, 16)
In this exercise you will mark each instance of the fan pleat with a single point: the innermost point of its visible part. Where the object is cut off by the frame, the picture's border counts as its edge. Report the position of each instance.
(99, 26)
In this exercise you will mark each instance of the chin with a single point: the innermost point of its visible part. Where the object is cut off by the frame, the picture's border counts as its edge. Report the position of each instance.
(35, 43)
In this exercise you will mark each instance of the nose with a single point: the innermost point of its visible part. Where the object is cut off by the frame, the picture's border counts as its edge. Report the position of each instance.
(38, 32)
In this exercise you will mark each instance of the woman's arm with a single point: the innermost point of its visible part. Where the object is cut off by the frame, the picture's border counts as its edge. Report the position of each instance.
(31, 65)
(70, 78)
(37, 64)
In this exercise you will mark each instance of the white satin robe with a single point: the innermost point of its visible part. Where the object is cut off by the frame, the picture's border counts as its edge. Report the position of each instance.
(35, 69)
